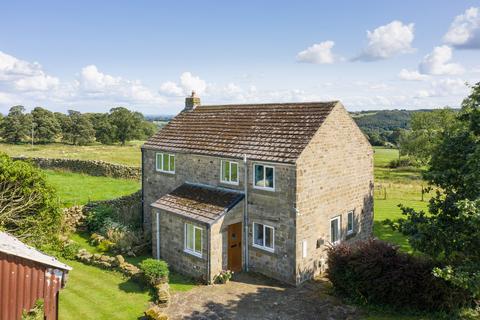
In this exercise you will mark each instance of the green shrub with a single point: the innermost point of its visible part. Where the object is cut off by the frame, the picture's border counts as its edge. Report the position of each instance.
(155, 271)
(402, 163)
(105, 245)
(97, 217)
(36, 313)
(223, 277)
(375, 272)
(70, 250)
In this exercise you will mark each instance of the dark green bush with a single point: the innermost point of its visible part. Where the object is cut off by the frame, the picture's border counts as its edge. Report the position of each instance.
(155, 271)
(402, 163)
(97, 217)
(375, 272)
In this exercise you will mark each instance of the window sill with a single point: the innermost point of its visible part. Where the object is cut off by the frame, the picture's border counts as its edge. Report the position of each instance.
(264, 188)
(192, 253)
(263, 248)
(167, 172)
(350, 235)
(229, 183)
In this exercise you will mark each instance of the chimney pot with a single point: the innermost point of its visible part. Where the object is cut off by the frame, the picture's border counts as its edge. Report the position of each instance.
(191, 102)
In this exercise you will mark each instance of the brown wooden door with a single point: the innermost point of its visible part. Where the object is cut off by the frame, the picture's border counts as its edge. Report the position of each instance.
(235, 247)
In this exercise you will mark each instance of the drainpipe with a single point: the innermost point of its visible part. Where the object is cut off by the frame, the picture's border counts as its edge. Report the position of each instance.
(245, 211)
(208, 254)
(158, 234)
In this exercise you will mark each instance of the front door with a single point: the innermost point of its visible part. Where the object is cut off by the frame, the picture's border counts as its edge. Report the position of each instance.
(235, 247)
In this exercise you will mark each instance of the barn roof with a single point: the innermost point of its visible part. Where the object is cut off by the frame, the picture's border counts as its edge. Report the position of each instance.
(11, 245)
(276, 132)
(199, 202)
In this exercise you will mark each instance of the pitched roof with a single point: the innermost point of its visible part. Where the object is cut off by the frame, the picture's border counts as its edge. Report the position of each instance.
(11, 245)
(202, 203)
(268, 132)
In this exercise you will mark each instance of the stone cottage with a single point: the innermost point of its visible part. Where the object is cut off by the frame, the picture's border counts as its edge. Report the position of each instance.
(260, 187)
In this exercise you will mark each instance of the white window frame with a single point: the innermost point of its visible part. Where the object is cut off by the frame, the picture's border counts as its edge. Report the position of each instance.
(185, 247)
(304, 248)
(224, 162)
(352, 213)
(339, 218)
(263, 247)
(170, 156)
(265, 166)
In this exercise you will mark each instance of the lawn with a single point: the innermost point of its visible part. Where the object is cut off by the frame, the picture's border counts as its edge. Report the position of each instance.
(76, 188)
(128, 155)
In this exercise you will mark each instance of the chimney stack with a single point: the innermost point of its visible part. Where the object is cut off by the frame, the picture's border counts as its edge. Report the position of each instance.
(191, 102)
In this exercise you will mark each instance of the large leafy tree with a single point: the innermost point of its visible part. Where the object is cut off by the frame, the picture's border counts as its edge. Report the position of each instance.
(46, 125)
(104, 131)
(77, 128)
(127, 125)
(450, 231)
(16, 126)
(425, 134)
(29, 208)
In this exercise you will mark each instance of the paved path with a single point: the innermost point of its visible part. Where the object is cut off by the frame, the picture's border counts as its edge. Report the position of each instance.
(254, 297)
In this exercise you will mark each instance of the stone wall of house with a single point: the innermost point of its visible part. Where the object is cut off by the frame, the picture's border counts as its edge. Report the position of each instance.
(172, 237)
(276, 209)
(90, 167)
(334, 176)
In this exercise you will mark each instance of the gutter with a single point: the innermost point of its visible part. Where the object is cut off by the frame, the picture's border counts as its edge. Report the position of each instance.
(245, 212)
(209, 236)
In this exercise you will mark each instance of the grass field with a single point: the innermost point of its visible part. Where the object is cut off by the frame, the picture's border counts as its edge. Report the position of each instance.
(129, 154)
(76, 188)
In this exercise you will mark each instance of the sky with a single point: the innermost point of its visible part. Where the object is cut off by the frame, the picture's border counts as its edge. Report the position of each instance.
(149, 55)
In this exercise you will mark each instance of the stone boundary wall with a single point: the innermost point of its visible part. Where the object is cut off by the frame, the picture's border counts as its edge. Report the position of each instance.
(128, 209)
(90, 167)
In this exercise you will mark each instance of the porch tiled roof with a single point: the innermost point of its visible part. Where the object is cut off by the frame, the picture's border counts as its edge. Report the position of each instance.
(267, 132)
(201, 203)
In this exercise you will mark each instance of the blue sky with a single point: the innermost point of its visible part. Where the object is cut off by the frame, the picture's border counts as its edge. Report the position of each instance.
(147, 55)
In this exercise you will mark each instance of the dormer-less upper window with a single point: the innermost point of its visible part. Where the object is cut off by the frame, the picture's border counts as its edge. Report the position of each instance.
(229, 172)
(165, 162)
(264, 177)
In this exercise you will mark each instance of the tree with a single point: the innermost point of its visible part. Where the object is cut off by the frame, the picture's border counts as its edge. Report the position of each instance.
(16, 126)
(427, 128)
(104, 131)
(78, 129)
(29, 207)
(46, 125)
(450, 231)
(126, 124)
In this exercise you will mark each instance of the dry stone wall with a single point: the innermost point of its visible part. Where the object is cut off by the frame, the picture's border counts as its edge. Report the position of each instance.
(90, 167)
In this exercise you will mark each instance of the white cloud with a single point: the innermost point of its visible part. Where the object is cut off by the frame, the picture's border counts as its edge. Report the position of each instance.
(444, 88)
(464, 32)
(438, 62)
(320, 53)
(412, 75)
(387, 41)
(94, 84)
(188, 83)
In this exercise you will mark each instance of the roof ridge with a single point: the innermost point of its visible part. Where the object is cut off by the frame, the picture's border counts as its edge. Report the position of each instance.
(273, 104)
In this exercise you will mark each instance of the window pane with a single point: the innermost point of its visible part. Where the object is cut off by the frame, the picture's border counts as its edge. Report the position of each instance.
(259, 179)
(166, 162)
(190, 237)
(258, 234)
(269, 177)
(269, 237)
(172, 163)
(350, 221)
(234, 172)
(334, 230)
(227, 171)
(198, 240)
(159, 161)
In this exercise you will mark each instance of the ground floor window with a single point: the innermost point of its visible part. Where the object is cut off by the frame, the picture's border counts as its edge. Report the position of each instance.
(193, 239)
(335, 231)
(263, 236)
